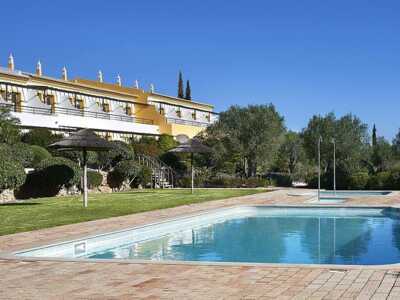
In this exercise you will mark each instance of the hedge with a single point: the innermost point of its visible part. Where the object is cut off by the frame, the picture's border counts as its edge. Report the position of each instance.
(12, 174)
(50, 177)
(18, 152)
(39, 154)
(94, 179)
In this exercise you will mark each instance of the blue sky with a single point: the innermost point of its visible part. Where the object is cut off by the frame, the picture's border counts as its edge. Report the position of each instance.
(306, 57)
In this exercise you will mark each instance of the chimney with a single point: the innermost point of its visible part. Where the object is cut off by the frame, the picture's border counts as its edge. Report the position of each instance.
(64, 75)
(136, 84)
(39, 68)
(152, 88)
(11, 65)
(100, 76)
(119, 80)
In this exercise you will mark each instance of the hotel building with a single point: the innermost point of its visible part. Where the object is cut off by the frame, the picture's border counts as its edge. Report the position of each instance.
(114, 111)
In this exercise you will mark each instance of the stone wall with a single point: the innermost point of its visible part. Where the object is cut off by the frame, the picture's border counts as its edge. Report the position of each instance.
(7, 196)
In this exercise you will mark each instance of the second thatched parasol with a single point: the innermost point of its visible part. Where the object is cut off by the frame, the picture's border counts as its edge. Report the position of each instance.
(191, 146)
(83, 140)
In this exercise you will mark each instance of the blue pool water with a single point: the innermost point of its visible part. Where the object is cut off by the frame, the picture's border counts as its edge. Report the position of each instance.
(359, 236)
(355, 193)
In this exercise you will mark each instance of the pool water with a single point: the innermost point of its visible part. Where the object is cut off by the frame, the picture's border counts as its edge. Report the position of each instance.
(359, 236)
(330, 200)
(355, 193)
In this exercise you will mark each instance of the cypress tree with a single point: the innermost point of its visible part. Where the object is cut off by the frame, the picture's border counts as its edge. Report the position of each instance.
(188, 92)
(374, 138)
(180, 85)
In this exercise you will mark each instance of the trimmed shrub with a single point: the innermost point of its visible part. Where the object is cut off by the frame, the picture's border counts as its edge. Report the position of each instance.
(19, 152)
(23, 153)
(39, 154)
(77, 157)
(40, 137)
(126, 170)
(12, 174)
(94, 179)
(144, 177)
(61, 171)
(50, 177)
(359, 180)
(121, 151)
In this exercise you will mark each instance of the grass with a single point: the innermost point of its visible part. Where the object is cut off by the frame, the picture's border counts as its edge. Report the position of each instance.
(50, 212)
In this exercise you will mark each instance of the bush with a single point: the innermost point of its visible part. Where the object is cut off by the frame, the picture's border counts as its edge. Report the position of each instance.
(39, 154)
(121, 151)
(236, 182)
(126, 170)
(283, 180)
(77, 156)
(12, 174)
(19, 152)
(144, 177)
(379, 181)
(254, 182)
(94, 179)
(50, 177)
(359, 180)
(40, 137)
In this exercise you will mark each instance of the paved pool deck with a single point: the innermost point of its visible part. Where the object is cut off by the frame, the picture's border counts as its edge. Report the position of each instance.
(52, 279)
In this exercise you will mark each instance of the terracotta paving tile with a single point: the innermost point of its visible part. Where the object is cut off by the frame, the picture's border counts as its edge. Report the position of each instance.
(89, 280)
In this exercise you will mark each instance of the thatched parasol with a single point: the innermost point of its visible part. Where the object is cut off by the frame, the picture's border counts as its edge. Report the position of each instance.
(191, 146)
(83, 140)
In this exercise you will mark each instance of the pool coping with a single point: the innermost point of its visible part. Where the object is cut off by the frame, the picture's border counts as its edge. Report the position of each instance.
(11, 256)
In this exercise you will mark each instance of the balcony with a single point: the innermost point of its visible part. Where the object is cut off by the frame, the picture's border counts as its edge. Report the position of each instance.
(61, 117)
(187, 122)
(73, 112)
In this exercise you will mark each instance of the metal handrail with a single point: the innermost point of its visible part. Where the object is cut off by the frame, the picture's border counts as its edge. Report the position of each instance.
(187, 122)
(75, 112)
(161, 171)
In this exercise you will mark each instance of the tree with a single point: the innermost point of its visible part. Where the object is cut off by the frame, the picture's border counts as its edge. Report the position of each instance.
(291, 153)
(166, 142)
(146, 146)
(188, 92)
(352, 144)
(382, 155)
(250, 136)
(9, 131)
(374, 137)
(396, 144)
(180, 85)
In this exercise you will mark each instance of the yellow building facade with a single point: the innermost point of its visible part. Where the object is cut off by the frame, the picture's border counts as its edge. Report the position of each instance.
(111, 109)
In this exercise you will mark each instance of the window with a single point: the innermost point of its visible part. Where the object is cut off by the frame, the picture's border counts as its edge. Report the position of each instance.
(208, 117)
(162, 110)
(194, 115)
(128, 110)
(40, 96)
(79, 104)
(106, 107)
(179, 113)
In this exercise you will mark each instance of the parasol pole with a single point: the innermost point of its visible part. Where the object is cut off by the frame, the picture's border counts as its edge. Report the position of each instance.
(191, 159)
(85, 192)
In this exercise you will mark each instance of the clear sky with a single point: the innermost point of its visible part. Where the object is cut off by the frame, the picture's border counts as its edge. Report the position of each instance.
(306, 57)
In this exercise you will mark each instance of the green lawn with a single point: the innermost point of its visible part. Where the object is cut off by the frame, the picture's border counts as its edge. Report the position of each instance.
(49, 212)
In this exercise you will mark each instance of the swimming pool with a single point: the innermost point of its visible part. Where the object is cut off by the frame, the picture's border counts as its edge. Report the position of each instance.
(327, 235)
(355, 193)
